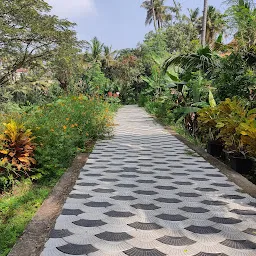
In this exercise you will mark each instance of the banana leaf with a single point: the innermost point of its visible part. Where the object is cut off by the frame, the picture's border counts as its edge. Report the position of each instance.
(181, 112)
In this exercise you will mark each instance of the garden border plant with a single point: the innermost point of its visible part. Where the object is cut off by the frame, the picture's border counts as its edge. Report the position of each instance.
(234, 125)
(61, 129)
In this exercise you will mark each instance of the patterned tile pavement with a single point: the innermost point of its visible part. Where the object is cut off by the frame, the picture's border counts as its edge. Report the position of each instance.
(145, 193)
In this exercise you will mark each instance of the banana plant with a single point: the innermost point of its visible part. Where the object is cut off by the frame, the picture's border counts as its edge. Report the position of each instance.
(194, 98)
(160, 81)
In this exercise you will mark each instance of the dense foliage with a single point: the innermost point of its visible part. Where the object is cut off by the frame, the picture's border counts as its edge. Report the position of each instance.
(56, 132)
(203, 80)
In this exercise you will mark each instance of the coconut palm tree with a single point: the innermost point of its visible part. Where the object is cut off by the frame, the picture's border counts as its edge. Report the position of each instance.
(242, 14)
(195, 19)
(157, 12)
(95, 48)
(194, 15)
(108, 56)
(215, 24)
(151, 12)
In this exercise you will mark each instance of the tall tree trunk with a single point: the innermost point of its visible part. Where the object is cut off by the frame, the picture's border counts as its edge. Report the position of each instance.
(204, 23)
(159, 24)
(154, 13)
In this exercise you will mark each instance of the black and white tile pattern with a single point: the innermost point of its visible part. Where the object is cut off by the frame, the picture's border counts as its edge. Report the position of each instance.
(145, 193)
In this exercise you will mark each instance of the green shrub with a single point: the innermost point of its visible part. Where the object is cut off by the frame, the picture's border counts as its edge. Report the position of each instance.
(63, 128)
(233, 78)
(162, 109)
(142, 100)
(233, 123)
(207, 121)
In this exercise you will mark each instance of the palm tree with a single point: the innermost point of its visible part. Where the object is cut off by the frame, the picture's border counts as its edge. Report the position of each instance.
(108, 56)
(215, 25)
(151, 14)
(204, 23)
(245, 3)
(95, 47)
(194, 15)
(242, 15)
(157, 12)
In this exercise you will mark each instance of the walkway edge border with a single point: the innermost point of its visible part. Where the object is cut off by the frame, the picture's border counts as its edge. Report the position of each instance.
(246, 186)
(32, 241)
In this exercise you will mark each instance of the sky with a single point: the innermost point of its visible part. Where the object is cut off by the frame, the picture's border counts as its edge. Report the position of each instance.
(117, 23)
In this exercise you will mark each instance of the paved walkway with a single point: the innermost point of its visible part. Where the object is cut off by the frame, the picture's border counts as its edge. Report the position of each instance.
(144, 193)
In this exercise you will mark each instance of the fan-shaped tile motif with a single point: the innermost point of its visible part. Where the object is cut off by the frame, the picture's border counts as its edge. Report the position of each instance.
(75, 249)
(88, 184)
(225, 220)
(145, 226)
(71, 212)
(124, 198)
(98, 204)
(186, 183)
(102, 190)
(168, 200)
(199, 179)
(210, 254)
(176, 241)
(89, 223)
(213, 202)
(203, 230)
(240, 244)
(114, 237)
(128, 176)
(60, 233)
(163, 177)
(146, 181)
(206, 189)
(145, 206)
(184, 194)
(145, 192)
(143, 252)
(119, 214)
(80, 196)
(224, 185)
(166, 187)
(251, 231)
(194, 209)
(109, 180)
(244, 212)
(233, 196)
(126, 185)
(170, 217)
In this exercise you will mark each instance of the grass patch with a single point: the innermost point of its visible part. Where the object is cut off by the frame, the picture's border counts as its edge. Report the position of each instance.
(18, 208)
(180, 129)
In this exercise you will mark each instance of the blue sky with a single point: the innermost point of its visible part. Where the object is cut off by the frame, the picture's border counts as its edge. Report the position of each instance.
(120, 23)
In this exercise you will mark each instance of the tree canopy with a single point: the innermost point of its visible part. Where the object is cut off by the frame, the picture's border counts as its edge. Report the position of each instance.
(28, 34)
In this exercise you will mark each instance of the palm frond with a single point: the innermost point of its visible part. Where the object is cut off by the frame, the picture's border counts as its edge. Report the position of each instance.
(204, 59)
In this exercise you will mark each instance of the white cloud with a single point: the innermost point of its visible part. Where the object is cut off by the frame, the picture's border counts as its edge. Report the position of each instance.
(72, 8)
